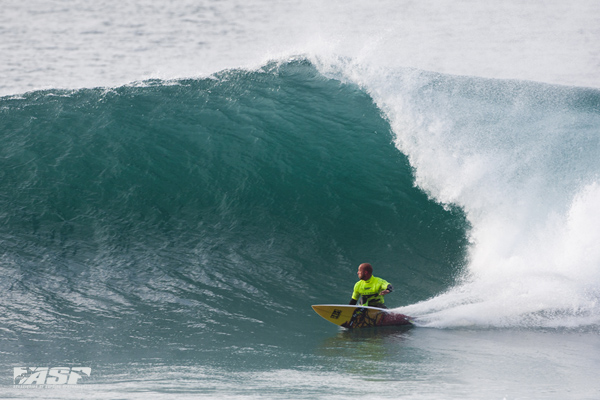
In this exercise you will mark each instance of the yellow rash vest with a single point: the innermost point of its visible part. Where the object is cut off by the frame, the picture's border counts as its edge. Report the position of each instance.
(369, 290)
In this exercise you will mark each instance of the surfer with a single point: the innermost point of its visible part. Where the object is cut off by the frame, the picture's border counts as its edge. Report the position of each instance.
(370, 289)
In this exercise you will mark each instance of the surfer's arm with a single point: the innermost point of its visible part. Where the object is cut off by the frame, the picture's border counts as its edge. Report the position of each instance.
(389, 289)
(355, 294)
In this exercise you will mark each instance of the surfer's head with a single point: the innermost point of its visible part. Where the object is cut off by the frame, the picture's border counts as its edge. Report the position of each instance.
(365, 271)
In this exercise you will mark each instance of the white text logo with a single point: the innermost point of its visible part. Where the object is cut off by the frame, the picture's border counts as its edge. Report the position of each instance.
(50, 376)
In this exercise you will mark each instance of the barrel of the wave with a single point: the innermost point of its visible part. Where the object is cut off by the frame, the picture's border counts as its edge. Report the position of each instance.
(351, 317)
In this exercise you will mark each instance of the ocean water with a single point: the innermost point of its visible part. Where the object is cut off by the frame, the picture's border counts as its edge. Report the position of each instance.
(179, 182)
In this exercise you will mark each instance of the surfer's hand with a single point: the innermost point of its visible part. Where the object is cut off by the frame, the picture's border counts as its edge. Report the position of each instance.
(384, 292)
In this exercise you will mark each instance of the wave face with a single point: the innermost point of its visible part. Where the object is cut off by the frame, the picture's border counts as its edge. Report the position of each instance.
(188, 218)
(195, 212)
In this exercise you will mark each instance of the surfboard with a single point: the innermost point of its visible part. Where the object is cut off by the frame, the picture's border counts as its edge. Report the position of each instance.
(351, 317)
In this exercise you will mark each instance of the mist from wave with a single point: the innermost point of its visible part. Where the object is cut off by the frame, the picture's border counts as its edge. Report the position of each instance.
(520, 158)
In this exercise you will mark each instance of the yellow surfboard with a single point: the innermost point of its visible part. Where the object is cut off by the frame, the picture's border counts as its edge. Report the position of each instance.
(351, 317)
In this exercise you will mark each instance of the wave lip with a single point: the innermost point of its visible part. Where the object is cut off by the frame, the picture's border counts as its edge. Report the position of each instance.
(520, 158)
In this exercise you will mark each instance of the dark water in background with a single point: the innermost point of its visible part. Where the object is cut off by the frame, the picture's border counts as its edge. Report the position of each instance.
(173, 235)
